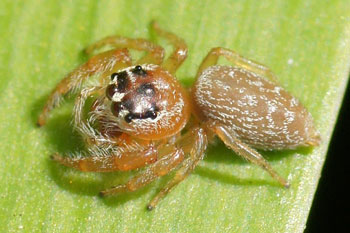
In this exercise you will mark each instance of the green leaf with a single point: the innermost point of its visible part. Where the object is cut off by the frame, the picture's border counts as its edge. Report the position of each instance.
(305, 42)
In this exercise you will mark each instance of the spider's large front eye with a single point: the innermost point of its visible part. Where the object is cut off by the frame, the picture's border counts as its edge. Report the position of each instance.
(111, 90)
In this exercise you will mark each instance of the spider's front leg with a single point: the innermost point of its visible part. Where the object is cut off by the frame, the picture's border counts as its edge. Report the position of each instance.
(154, 55)
(102, 63)
(179, 54)
(104, 159)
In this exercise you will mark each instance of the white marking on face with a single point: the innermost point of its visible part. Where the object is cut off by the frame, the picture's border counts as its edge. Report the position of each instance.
(117, 97)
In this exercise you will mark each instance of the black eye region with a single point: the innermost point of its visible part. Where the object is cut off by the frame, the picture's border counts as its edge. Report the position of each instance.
(122, 80)
(140, 109)
(146, 89)
(138, 70)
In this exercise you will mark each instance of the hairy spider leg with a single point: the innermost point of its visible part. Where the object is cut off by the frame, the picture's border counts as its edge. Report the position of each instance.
(100, 159)
(247, 152)
(239, 61)
(99, 64)
(170, 157)
(154, 55)
(194, 143)
(174, 61)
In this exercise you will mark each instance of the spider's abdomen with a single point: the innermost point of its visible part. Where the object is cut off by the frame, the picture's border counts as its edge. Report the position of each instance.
(257, 111)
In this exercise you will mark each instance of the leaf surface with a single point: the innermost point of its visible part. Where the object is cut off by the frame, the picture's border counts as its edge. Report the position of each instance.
(305, 42)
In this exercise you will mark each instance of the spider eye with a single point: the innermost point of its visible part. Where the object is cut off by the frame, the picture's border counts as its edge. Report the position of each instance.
(122, 74)
(151, 114)
(138, 70)
(128, 118)
(122, 81)
(111, 90)
(113, 76)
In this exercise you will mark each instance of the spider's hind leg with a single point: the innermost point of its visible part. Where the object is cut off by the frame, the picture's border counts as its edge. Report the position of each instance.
(248, 153)
(237, 60)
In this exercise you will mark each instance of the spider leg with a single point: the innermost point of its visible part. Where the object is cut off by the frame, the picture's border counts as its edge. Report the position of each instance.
(102, 159)
(247, 152)
(239, 61)
(170, 157)
(155, 53)
(180, 52)
(194, 143)
(105, 62)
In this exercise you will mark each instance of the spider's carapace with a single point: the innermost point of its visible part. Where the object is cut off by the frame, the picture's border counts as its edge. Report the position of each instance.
(146, 102)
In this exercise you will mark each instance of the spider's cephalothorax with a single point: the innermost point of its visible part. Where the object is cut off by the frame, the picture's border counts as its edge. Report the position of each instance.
(146, 101)
(140, 111)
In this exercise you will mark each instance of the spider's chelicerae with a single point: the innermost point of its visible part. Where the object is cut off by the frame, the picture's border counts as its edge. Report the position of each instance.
(140, 110)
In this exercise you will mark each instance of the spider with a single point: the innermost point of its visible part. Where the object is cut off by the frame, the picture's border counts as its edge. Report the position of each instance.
(141, 116)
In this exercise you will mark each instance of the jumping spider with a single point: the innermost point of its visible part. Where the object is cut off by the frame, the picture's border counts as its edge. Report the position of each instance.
(140, 110)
